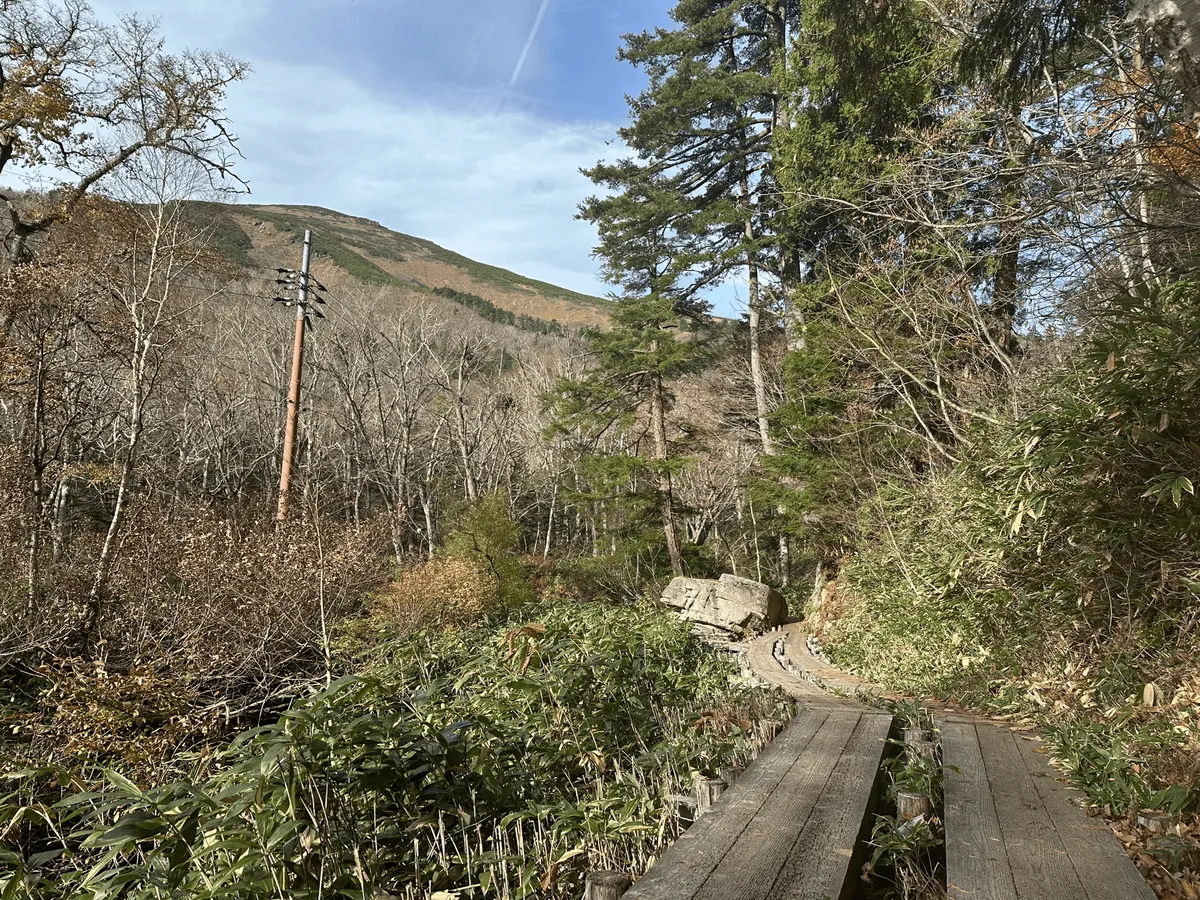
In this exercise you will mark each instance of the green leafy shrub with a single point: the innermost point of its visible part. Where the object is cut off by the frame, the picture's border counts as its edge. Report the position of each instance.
(489, 538)
(920, 609)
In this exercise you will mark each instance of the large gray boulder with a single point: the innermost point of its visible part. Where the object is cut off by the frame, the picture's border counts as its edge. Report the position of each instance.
(738, 606)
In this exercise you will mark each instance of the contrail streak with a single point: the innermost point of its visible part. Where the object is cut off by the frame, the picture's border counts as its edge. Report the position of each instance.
(537, 24)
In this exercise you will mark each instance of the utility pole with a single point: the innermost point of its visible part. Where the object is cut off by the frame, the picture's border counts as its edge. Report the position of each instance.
(293, 407)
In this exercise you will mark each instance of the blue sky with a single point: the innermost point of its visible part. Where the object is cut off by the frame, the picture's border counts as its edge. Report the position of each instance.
(415, 112)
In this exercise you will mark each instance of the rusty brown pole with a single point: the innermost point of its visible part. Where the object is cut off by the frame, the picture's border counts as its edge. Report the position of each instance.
(293, 408)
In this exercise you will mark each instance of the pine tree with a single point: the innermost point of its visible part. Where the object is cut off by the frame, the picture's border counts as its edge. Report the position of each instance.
(708, 117)
(860, 76)
(646, 249)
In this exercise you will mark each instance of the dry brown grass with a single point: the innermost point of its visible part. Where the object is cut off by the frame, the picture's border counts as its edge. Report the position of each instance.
(444, 592)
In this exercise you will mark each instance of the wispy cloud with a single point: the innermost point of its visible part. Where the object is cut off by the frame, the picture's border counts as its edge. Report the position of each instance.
(537, 26)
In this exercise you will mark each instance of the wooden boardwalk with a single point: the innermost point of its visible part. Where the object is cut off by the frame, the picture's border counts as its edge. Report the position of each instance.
(796, 824)
(1012, 832)
(791, 826)
(1012, 829)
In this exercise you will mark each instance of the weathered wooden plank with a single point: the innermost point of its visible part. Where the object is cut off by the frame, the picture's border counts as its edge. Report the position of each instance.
(753, 863)
(1040, 866)
(761, 661)
(692, 858)
(830, 676)
(1098, 857)
(976, 860)
(821, 865)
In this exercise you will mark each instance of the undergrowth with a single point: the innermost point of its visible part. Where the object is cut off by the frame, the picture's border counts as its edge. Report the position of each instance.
(498, 760)
(933, 608)
(908, 854)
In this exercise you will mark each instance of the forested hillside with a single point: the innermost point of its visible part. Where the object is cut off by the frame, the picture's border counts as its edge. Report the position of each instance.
(958, 426)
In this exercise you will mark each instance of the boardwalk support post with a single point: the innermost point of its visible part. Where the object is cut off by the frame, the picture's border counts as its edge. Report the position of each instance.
(685, 810)
(909, 805)
(707, 792)
(920, 749)
(606, 885)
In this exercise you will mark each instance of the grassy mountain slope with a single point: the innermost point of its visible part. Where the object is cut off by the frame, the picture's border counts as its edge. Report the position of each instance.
(261, 236)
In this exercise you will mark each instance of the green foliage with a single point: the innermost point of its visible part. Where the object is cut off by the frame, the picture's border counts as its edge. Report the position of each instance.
(924, 600)
(702, 129)
(1016, 43)
(1113, 762)
(1101, 476)
(863, 79)
(488, 537)
(862, 74)
(493, 760)
(808, 475)
(614, 417)
(1053, 574)
(908, 852)
(493, 313)
(224, 234)
(913, 714)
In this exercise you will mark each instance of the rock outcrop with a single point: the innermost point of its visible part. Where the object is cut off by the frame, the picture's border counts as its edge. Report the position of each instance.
(735, 606)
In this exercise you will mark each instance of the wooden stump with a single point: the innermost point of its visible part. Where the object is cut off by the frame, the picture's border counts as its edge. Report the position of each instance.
(707, 792)
(909, 806)
(912, 735)
(606, 885)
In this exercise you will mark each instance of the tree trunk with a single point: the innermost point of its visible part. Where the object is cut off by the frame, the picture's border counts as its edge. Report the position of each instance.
(38, 464)
(460, 411)
(550, 521)
(62, 503)
(107, 552)
(430, 535)
(761, 403)
(658, 425)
